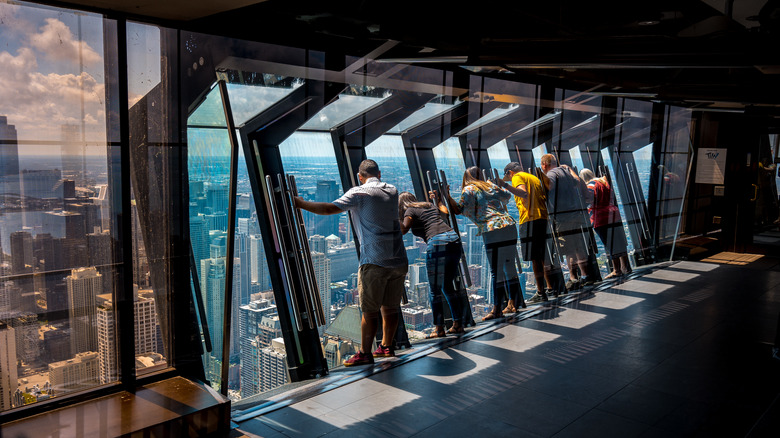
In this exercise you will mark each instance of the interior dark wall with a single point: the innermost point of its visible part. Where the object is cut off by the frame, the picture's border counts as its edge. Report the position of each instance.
(740, 135)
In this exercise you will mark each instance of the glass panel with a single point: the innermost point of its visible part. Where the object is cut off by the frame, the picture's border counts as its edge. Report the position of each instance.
(576, 158)
(57, 242)
(449, 158)
(388, 152)
(310, 157)
(538, 152)
(247, 101)
(346, 107)
(429, 111)
(676, 153)
(643, 158)
(145, 87)
(608, 162)
(489, 117)
(208, 155)
(601, 257)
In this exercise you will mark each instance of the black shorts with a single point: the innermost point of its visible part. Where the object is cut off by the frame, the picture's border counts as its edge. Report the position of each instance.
(533, 236)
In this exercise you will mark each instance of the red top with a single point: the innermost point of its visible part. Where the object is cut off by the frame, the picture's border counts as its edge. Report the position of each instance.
(602, 210)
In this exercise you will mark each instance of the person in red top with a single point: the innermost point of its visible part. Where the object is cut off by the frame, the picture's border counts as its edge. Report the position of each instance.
(605, 218)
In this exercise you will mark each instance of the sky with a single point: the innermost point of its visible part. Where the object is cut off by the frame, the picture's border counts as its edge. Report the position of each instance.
(52, 62)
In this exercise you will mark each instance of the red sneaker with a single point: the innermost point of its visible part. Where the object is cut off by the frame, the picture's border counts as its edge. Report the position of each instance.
(359, 358)
(383, 351)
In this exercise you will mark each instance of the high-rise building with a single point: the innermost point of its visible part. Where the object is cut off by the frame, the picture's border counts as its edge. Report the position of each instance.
(80, 372)
(25, 325)
(22, 257)
(199, 238)
(73, 153)
(84, 285)
(332, 240)
(250, 321)
(259, 265)
(9, 158)
(56, 344)
(269, 329)
(216, 196)
(8, 368)
(317, 243)
(273, 365)
(418, 273)
(145, 331)
(343, 262)
(327, 191)
(100, 253)
(212, 286)
(321, 265)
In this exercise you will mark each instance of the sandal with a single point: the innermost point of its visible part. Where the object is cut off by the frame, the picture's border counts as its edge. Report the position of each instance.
(437, 334)
(456, 331)
(490, 316)
(613, 274)
(509, 309)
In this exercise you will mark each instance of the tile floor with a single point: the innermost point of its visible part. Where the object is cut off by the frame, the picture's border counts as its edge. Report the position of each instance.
(682, 351)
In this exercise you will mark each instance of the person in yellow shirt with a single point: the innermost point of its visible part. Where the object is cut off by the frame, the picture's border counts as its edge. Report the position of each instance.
(532, 204)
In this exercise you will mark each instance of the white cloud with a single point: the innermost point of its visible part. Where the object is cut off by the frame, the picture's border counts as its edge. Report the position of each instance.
(57, 42)
(39, 103)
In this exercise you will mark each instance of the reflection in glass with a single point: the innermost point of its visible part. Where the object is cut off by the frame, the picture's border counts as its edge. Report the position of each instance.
(427, 112)
(57, 266)
(310, 157)
(643, 158)
(209, 175)
(247, 101)
(388, 152)
(449, 158)
(538, 152)
(346, 107)
(576, 158)
(608, 162)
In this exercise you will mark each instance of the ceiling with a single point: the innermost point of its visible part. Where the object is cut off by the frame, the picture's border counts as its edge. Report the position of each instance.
(699, 53)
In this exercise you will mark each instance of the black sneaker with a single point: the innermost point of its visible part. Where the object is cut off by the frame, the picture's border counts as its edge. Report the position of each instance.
(536, 299)
(585, 281)
(573, 285)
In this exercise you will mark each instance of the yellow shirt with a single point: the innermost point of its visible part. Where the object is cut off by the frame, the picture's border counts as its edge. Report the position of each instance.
(535, 207)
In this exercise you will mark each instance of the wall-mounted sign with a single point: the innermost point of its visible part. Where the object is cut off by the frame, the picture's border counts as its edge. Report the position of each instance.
(710, 165)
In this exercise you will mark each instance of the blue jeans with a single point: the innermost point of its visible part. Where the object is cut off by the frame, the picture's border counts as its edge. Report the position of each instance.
(442, 258)
(501, 251)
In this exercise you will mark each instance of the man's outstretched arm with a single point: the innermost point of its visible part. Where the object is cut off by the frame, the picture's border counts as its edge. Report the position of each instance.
(323, 208)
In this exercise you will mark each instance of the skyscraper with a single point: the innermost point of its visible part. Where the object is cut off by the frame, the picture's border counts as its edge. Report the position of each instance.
(22, 258)
(8, 372)
(259, 265)
(217, 196)
(250, 319)
(28, 343)
(322, 273)
(73, 153)
(327, 191)
(273, 365)
(84, 285)
(9, 158)
(212, 287)
(145, 332)
(317, 243)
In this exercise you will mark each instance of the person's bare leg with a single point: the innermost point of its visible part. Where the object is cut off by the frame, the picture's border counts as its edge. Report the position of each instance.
(368, 326)
(626, 265)
(389, 325)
